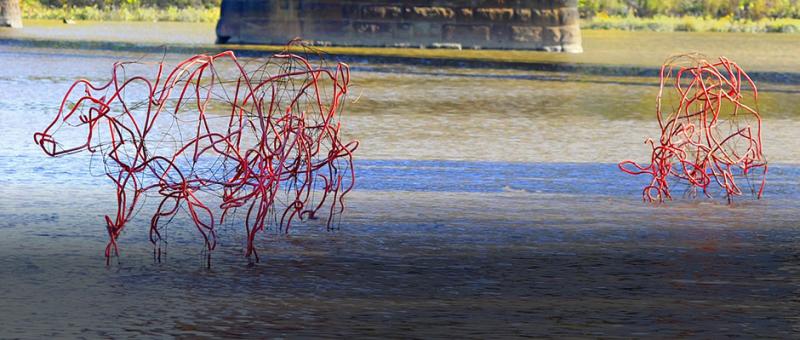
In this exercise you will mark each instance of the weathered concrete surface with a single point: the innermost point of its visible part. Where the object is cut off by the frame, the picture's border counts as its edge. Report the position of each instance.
(10, 15)
(550, 25)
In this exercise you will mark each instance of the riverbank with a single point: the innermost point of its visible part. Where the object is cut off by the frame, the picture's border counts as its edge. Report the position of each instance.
(770, 57)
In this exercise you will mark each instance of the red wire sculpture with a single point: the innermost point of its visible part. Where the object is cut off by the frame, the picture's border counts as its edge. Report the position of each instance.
(711, 134)
(264, 137)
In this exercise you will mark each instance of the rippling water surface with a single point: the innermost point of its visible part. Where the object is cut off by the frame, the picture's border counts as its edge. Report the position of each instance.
(488, 204)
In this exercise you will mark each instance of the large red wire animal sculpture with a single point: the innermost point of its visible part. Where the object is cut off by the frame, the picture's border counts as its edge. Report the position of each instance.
(263, 137)
(710, 131)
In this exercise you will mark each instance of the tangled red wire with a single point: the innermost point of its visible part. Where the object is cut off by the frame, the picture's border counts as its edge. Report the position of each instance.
(262, 136)
(710, 135)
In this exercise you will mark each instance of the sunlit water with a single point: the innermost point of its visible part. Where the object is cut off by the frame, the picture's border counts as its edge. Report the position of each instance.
(488, 204)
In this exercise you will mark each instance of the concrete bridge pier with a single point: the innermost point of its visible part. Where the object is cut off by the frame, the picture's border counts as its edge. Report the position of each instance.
(549, 25)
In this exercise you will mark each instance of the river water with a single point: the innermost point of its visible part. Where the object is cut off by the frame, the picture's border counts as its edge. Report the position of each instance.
(488, 204)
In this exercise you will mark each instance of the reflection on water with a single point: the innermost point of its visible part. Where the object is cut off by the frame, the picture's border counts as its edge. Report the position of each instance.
(528, 120)
(487, 206)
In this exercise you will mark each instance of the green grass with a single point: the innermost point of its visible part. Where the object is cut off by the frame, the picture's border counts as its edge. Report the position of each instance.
(34, 10)
(691, 24)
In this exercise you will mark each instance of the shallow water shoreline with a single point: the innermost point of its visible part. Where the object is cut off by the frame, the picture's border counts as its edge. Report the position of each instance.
(390, 56)
(604, 50)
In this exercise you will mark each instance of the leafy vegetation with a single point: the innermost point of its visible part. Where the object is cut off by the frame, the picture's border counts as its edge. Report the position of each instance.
(662, 23)
(737, 9)
(692, 15)
(122, 10)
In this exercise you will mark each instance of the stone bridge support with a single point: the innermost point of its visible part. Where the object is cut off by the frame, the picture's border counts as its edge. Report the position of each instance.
(550, 25)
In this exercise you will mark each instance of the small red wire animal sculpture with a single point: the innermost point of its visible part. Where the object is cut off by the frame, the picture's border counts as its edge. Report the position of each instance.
(262, 136)
(710, 131)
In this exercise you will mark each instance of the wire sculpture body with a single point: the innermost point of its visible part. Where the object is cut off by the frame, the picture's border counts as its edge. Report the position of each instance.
(710, 131)
(263, 137)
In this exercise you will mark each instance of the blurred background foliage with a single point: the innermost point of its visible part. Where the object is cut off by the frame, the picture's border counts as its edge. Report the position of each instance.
(111, 4)
(122, 10)
(755, 16)
(738, 9)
